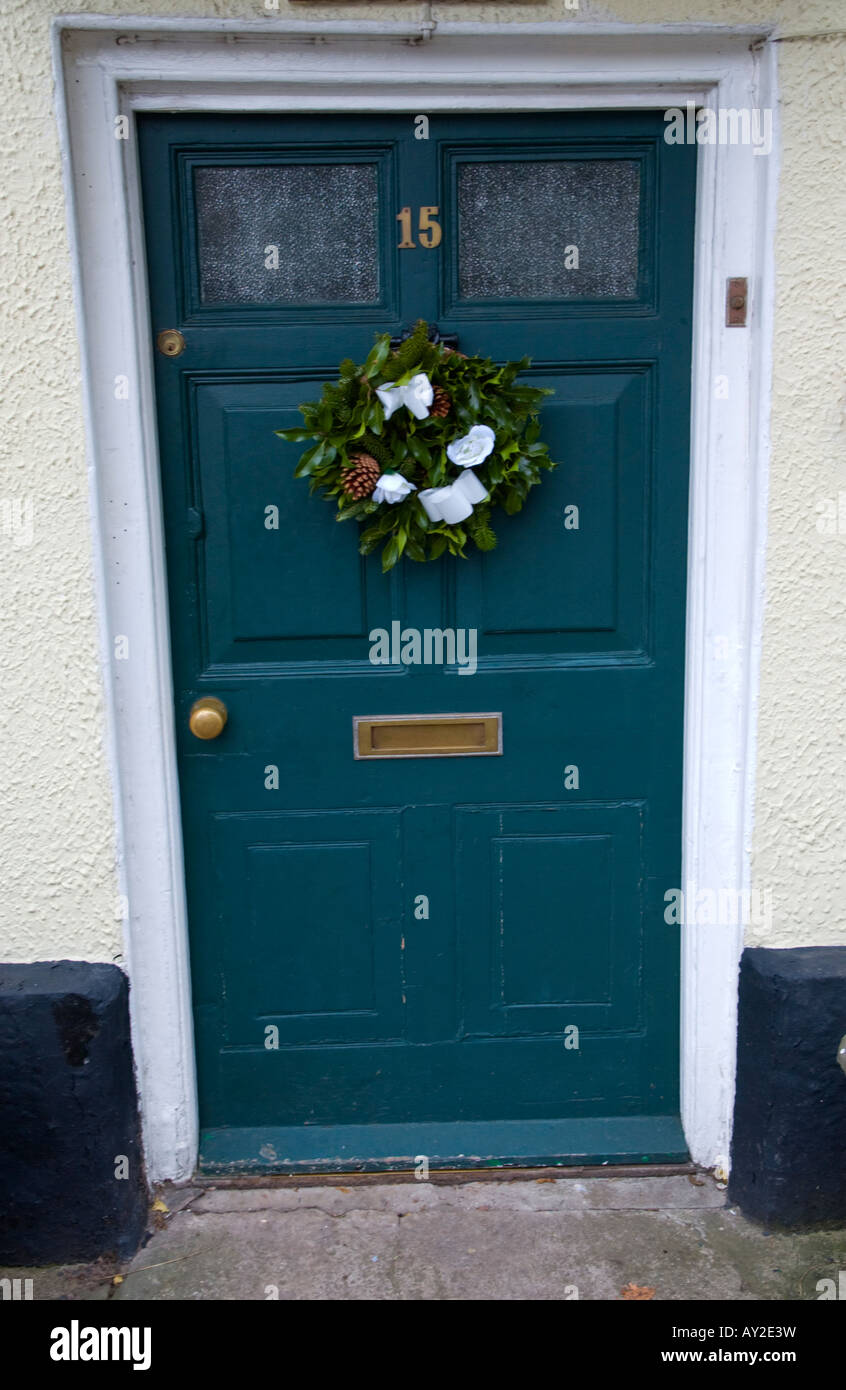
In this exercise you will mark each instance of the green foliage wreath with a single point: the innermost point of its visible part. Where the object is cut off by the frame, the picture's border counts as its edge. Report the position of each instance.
(407, 423)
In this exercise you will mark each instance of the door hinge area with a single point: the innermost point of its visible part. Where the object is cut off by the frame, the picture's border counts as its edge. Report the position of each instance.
(196, 523)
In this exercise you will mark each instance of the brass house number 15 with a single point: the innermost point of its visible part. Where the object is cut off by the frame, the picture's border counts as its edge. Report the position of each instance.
(428, 229)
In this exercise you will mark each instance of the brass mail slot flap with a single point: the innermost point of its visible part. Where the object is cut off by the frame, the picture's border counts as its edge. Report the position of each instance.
(427, 735)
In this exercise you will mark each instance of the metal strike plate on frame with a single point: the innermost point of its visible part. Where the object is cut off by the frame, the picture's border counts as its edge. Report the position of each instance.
(737, 301)
(427, 735)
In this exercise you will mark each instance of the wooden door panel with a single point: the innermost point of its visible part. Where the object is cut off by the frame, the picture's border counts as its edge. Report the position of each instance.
(258, 601)
(307, 907)
(583, 575)
(550, 917)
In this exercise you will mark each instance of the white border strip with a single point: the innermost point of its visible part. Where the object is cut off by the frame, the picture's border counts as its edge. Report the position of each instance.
(108, 66)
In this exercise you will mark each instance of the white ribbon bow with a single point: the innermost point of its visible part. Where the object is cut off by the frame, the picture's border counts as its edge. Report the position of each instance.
(455, 502)
(416, 394)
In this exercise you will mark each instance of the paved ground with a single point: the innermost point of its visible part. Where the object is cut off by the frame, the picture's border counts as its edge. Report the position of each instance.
(547, 1238)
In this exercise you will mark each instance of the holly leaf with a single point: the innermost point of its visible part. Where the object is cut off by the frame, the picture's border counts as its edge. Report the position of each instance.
(295, 436)
(369, 539)
(418, 450)
(414, 550)
(377, 357)
(391, 554)
(307, 462)
(437, 546)
(374, 417)
(512, 502)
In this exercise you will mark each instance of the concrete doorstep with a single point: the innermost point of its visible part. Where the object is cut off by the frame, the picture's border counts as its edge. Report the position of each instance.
(598, 1238)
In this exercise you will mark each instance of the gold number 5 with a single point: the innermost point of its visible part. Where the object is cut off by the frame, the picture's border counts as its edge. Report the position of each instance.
(429, 229)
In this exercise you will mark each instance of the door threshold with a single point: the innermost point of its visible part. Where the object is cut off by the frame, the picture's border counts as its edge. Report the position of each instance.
(471, 1147)
(443, 1177)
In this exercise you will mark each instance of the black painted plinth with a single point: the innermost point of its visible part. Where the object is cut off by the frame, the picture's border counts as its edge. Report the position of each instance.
(68, 1115)
(789, 1145)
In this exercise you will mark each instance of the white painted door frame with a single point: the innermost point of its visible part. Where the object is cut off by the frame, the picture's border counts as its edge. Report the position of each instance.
(106, 68)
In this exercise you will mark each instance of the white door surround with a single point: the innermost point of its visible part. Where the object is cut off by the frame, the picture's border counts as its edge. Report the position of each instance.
(107, 68)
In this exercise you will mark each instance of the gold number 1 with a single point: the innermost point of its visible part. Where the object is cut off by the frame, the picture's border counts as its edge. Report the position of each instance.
(429, 229)
(404, 219)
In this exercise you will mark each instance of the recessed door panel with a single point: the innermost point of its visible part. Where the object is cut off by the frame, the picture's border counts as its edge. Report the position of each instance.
(306, 910)
(261, 532)
(583, 546)
(551, 933)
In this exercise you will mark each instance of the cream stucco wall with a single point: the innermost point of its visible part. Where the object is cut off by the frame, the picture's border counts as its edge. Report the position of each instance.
(59, 888)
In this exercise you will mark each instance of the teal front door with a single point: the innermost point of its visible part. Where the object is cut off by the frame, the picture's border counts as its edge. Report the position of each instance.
(463, 958)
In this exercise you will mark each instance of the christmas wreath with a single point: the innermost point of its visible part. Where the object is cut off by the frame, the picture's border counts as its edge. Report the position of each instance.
(422, 443)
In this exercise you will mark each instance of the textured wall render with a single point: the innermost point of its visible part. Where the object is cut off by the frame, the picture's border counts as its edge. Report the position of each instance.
(58, 879)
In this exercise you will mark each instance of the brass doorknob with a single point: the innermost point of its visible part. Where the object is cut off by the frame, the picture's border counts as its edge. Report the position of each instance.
(207, 717)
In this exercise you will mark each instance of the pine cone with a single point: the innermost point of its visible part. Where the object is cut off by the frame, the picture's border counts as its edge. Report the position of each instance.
(441, 403)
(361, 477)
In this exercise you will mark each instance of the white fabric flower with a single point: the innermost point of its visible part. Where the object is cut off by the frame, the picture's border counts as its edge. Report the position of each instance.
(416, 394)
(473, 448)
(392, 487)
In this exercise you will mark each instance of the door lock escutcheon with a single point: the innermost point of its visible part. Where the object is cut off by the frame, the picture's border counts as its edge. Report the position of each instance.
(170, 342)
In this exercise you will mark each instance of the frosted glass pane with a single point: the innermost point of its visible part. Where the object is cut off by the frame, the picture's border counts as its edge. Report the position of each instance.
(516, 221)
(322, 218)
